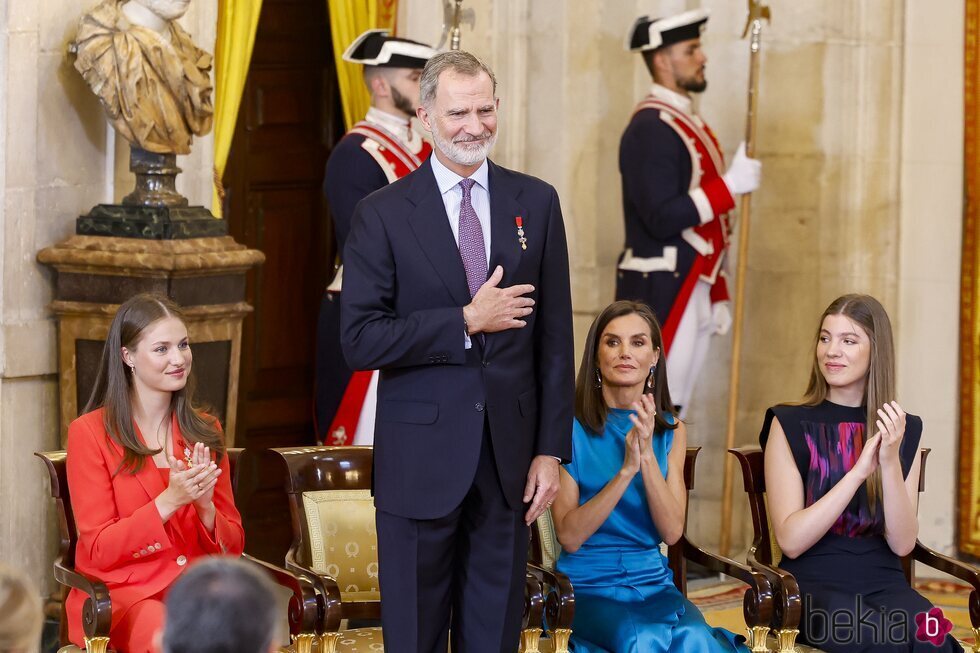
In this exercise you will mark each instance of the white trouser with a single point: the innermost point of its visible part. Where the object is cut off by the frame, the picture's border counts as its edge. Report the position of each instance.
(369, 411)
(690, 346)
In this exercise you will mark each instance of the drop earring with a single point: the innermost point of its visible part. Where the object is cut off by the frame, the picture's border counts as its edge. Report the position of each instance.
(653, 371)
(598, 379)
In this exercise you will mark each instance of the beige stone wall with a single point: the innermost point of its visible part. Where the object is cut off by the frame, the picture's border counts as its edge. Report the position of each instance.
(930, 230)
(53, 167)
(859, 172)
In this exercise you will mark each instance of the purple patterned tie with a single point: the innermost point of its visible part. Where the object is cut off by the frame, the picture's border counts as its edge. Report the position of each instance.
(471, 246)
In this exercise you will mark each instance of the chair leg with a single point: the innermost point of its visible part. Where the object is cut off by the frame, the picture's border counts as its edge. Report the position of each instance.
(530, 637)
(328, 642)
(786, 640)
(757, 639)
(560, 636)
(96, 644)
(304, 642)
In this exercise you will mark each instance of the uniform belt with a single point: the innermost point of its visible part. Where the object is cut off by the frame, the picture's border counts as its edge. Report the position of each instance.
(665, 263)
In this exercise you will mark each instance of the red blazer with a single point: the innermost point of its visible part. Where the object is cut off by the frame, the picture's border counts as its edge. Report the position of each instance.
(121, 538)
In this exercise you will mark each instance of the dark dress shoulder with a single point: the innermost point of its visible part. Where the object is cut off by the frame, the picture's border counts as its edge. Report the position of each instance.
(851, 568)
(826, 441)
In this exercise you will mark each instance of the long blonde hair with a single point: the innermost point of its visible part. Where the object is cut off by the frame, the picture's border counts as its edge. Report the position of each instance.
(879, 387)
(21, 616)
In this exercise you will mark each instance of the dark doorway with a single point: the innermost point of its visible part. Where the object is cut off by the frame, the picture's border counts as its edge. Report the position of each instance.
(289, 120)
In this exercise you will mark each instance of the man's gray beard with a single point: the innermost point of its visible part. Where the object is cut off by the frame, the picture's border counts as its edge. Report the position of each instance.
(166, 9)
(463, 157)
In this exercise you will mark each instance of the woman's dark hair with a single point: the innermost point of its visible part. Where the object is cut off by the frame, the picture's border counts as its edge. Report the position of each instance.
(590, 406)
(114, 389)
(879, 388)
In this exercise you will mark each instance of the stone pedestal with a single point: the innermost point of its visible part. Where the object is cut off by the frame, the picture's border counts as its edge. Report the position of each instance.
(206, 276)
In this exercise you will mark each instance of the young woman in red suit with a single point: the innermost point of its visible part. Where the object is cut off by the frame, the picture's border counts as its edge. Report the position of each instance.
(147, 472)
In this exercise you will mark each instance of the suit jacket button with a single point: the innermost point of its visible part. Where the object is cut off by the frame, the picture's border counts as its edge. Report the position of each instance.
(486, 363)
(136, 555)
(479, 407)
(181, 560)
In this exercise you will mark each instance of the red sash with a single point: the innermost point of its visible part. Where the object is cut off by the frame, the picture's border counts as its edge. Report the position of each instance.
(396, 160)
(391, 153)
(709, 240)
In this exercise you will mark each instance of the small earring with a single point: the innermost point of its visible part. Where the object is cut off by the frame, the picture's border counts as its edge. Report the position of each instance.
(132, 368)
(653, 371)
(598, 379)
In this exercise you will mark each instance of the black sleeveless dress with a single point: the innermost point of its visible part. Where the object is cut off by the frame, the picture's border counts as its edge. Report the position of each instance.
(855, 595)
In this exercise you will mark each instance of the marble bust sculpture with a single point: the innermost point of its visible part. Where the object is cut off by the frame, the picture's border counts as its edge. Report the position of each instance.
(154, 83)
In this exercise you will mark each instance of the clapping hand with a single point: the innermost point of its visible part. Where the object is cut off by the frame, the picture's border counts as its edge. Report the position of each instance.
(867, 462)
(195, 483)
(644, 421)
(639, 437)
(891, 429)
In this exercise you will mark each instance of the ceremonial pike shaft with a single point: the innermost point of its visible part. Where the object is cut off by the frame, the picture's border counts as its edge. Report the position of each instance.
(757, 13)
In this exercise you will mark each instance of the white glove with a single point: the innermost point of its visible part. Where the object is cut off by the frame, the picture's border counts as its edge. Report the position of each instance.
(721, 318)
(744, 174)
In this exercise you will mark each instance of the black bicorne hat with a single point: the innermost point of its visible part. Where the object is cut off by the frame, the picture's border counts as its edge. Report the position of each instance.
(375, 48)
(652, 33)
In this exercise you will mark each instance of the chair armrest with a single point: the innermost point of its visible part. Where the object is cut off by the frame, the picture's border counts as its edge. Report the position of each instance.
(559, 597)
(328, 593)
(97, 609)
(925, 555)
(303, 607)
(758, 602)
(787, 608)
(533, 602)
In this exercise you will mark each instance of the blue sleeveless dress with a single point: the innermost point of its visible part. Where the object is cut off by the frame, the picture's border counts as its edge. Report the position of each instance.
(625, 599)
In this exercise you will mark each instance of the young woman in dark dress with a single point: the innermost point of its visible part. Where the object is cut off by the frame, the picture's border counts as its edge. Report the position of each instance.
(846, 466)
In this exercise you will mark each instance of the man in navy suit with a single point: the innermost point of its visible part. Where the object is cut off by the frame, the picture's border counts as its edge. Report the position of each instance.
(457, 290)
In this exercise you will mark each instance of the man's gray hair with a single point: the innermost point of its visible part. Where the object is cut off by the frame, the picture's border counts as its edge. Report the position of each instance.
(457, 61)
(222, 604)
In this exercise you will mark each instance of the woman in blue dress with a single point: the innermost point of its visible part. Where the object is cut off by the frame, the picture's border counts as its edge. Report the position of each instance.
(623, 493)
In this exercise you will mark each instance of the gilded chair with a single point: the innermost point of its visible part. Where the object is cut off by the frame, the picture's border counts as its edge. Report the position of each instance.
(757, 603)
(335, 546)
(764, 555)
(97, 609)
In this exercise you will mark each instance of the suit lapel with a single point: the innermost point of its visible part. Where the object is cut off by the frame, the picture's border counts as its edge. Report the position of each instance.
(148, 476)
(505, 250)
(431, 226)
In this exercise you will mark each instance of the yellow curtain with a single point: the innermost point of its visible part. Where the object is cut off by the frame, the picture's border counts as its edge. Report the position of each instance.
(348, 20)
(237, 22)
